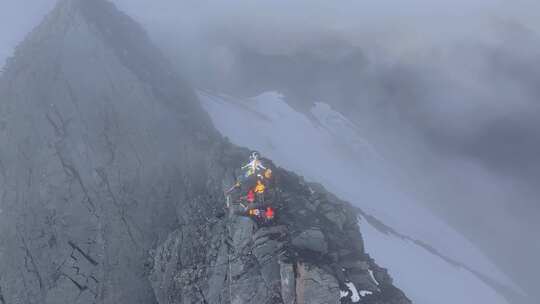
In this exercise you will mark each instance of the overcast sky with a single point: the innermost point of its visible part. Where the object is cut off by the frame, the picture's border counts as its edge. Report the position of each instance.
(263, 23)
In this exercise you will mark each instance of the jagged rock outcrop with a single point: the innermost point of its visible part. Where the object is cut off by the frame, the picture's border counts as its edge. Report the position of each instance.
(312, 253)
(111, 186)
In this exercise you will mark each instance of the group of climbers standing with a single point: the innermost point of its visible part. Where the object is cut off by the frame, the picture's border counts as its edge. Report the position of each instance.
(251, 190)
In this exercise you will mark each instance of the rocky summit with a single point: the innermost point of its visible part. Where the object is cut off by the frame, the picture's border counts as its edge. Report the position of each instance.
(112, 183)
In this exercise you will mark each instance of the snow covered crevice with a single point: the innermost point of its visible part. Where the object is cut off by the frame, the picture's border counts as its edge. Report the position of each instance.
(507, 291)
(329, 150)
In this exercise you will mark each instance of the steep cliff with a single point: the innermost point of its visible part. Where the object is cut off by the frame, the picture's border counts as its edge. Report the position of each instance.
(111, 186)
(99, 140)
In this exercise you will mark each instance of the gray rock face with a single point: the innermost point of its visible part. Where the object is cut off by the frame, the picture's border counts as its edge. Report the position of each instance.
(288, 283)
(112, 179)
(97, 152)
(316, 286)
(312, 239)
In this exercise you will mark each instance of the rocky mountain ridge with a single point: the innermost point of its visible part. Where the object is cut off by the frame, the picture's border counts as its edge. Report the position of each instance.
(112, 178)
(313, 253)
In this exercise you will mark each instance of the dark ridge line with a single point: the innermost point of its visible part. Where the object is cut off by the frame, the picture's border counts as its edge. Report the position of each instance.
(2, 299)
(84, 254)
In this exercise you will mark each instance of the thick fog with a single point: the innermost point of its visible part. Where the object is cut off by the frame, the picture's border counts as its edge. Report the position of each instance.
(449, 91)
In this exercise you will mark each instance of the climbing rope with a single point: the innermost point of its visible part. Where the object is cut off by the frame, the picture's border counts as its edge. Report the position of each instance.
(229, 236)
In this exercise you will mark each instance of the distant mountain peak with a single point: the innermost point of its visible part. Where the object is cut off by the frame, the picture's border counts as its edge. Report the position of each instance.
(78, 35)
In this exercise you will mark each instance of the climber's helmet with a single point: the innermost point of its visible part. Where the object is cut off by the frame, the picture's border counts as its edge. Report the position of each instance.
(268, 174)
(254, 155)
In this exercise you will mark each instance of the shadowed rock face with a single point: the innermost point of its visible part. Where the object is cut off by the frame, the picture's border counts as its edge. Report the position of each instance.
(97, 150)
(106, 154)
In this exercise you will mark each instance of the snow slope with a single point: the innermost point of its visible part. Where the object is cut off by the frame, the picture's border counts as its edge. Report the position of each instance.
(326, 148)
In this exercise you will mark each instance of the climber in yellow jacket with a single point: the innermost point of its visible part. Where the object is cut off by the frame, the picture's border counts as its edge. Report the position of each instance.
(260, 187)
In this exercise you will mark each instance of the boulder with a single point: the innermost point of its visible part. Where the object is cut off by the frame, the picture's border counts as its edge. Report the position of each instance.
(312, 239)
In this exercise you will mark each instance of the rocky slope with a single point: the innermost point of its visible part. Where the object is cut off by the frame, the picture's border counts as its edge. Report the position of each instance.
(312, 253)
(98, 140)
(106, 154)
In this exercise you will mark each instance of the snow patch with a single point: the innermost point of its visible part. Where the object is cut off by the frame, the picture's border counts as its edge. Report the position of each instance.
(424, 277)
(355, 296)
(373, 277)
(364, 293)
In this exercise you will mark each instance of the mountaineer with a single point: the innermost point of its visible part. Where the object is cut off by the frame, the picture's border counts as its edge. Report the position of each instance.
(254, 166)
(253, 185)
